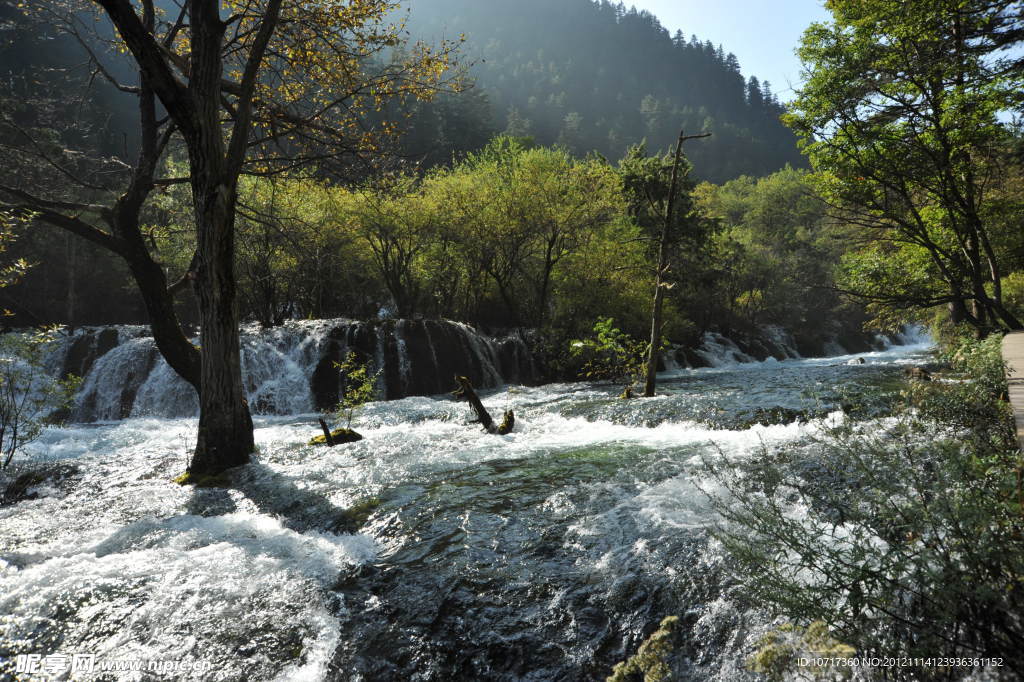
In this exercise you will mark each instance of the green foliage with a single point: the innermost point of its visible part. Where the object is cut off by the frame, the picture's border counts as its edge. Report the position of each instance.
(900, 118)
(975, 409)
(898, 279)
(610, 354)
(495, 238)
(511, 235)
(360, 386)
(650, 660)
(676, 253)
(778, 653)
(772, 257)
(903, 535)
(13, 270)
(647, 181)
(297, 253)
(27, 395)
(520, 235)
(1013, 292)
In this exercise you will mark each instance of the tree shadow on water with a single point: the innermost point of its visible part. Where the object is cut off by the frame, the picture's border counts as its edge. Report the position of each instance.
(277, 495)
(208, 501)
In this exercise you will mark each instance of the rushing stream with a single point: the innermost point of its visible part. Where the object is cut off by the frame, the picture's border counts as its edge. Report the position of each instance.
(428, 551)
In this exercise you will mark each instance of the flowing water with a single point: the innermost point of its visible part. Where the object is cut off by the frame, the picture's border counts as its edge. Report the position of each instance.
(288, 369)
(430, 550)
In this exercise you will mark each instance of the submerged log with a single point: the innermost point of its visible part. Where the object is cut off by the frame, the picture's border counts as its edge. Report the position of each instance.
(466, 391)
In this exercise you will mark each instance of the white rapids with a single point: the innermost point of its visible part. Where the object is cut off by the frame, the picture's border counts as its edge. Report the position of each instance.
(311, 552)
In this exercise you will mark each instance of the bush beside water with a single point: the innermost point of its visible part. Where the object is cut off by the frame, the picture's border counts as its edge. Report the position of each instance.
(902, 535)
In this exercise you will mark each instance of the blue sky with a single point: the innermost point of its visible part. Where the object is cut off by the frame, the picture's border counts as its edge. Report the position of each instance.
(761, 33)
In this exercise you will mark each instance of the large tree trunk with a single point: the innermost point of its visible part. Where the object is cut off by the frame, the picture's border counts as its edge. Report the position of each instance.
(225, 436)
(225, 427)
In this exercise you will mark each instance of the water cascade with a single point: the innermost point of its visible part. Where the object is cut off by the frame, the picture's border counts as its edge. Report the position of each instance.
(289, 369)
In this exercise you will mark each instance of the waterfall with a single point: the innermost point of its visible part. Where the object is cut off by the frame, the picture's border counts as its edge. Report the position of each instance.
(913, 335)
(832, 347)
(783, 342)
(289, 369)
(292, 369)
(670, 362)
(772, 343)
(718, 351)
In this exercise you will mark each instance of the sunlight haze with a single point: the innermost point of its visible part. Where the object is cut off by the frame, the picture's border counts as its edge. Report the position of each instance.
(762, 35)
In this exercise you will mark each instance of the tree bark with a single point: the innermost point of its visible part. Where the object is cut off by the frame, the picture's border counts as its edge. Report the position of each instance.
(225, 436)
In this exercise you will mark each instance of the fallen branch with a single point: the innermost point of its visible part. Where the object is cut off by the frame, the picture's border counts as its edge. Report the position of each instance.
(466, 391)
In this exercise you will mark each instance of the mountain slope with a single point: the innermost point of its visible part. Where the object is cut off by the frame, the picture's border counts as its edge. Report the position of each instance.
(598, 76)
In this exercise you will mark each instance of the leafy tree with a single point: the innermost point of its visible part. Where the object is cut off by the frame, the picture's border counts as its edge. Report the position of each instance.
(773, 257)
(247, 87)
(507, 220)
(610, 354)
(900, 117)
(398, 223)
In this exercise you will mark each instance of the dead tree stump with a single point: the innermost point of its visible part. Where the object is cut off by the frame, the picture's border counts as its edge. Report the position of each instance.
(466, 391)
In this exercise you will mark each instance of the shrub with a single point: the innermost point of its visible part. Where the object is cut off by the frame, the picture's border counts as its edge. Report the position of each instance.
(610, 354)
(27, 395)
(360, 386)
(903, 535)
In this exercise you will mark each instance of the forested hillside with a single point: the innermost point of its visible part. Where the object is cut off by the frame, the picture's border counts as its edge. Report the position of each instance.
(591, 76)
(598, 76)
(587, 76)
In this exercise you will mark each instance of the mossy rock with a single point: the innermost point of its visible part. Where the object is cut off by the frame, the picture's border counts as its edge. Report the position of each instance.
(651, 661)
(359, 512)
(338, 435)
(508, 422)
(203, 480)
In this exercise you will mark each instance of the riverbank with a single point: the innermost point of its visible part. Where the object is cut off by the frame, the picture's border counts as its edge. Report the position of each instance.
(896, 537)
